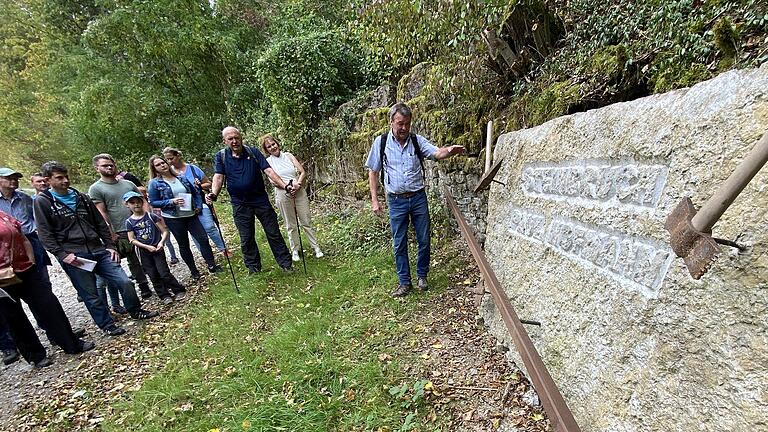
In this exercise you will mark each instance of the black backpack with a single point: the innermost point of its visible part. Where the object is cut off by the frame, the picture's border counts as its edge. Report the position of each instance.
(416, 149)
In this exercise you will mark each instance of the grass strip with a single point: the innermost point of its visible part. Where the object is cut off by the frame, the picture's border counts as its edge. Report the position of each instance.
(292, 352)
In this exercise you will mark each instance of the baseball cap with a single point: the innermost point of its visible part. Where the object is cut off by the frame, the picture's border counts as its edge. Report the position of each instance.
(131, 194)
(8, 172)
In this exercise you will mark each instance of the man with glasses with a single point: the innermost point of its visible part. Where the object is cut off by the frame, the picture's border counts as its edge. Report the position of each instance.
(107, 193)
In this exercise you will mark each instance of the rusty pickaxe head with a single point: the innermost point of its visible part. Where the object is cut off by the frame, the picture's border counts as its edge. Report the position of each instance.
(698, 249)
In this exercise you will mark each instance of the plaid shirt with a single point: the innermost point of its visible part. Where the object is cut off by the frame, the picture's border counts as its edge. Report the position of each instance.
(402, 172)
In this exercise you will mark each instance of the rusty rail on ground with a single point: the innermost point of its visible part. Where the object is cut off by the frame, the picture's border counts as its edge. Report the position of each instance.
(554, 404)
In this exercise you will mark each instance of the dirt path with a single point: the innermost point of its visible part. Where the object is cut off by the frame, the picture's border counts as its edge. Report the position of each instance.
(476, 387)
(23, 386)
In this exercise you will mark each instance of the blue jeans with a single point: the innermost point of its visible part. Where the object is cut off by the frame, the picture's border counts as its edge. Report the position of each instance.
(103, 288)
(171, 250)
(403, 211)
(113, 274)
(206, 218)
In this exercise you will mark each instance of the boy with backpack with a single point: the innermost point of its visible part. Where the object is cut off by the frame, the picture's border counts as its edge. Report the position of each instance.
(148, 233)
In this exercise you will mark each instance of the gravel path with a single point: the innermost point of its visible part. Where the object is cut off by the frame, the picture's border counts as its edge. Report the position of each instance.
(19, 380)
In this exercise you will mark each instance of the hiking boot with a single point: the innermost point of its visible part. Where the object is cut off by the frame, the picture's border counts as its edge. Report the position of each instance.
(167, 300)
(215, 269)
(145, 291)
(10, 356)
(45, 362)
(143, 314)
(113, 330)
(79, 333)
(180, 296)
(120, 310)
(86, 346)
(295, 256)
(196, 277)
(319, 253)
(402, 290)
(173, 261)
(422, 284)
(254, 270)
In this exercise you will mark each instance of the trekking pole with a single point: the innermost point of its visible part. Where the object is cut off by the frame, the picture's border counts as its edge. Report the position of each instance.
(296, 213)
(226, 255)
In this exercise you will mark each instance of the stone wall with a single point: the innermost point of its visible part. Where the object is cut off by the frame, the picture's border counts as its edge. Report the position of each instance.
(577, 239)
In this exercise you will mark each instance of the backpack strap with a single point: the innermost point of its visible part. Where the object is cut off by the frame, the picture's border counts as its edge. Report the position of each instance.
(417, 150)
(382, 155)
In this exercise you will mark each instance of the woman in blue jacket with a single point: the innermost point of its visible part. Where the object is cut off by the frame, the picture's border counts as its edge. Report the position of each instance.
(170, 193)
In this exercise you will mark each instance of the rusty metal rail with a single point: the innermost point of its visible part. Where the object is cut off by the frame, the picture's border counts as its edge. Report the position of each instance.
(554, 404)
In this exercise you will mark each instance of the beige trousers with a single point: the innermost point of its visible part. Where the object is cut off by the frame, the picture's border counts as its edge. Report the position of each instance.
(285, 204)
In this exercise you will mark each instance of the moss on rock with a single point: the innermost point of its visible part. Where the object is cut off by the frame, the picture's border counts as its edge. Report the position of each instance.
(726, 39)
(608, 63)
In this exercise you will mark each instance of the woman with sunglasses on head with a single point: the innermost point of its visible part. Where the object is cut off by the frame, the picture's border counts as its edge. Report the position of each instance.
(169, 192)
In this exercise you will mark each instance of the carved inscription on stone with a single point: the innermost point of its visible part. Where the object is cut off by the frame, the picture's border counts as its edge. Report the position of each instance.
(639, 262)
(633, 261)
(597, 182)
(527, 223)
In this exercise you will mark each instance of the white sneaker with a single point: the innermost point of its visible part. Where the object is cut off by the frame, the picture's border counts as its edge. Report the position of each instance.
(319, 253)
(296, 256)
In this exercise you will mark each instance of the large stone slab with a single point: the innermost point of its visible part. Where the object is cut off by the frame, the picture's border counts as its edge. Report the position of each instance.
(577, 238)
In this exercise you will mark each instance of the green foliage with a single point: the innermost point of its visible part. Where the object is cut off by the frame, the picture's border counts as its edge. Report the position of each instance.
(659, 35)
(305, 78)
(357, 232)
(131, 76)
(726, 39)
(399, 34)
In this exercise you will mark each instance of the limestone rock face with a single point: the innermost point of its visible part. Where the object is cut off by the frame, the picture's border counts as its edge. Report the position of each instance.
(576, 236)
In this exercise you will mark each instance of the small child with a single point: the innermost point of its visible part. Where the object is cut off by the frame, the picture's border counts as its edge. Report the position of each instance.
(149, 234)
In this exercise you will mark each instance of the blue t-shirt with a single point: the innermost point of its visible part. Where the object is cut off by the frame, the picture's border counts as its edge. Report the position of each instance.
(20, 207)
(144, 229)
(244, 180)
(70, 199)
(193, 172)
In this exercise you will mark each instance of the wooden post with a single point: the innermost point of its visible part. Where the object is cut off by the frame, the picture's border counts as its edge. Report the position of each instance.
(488, 144)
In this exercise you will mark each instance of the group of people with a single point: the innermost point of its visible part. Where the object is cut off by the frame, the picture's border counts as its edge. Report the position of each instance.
(118, 219)
(121, 219)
